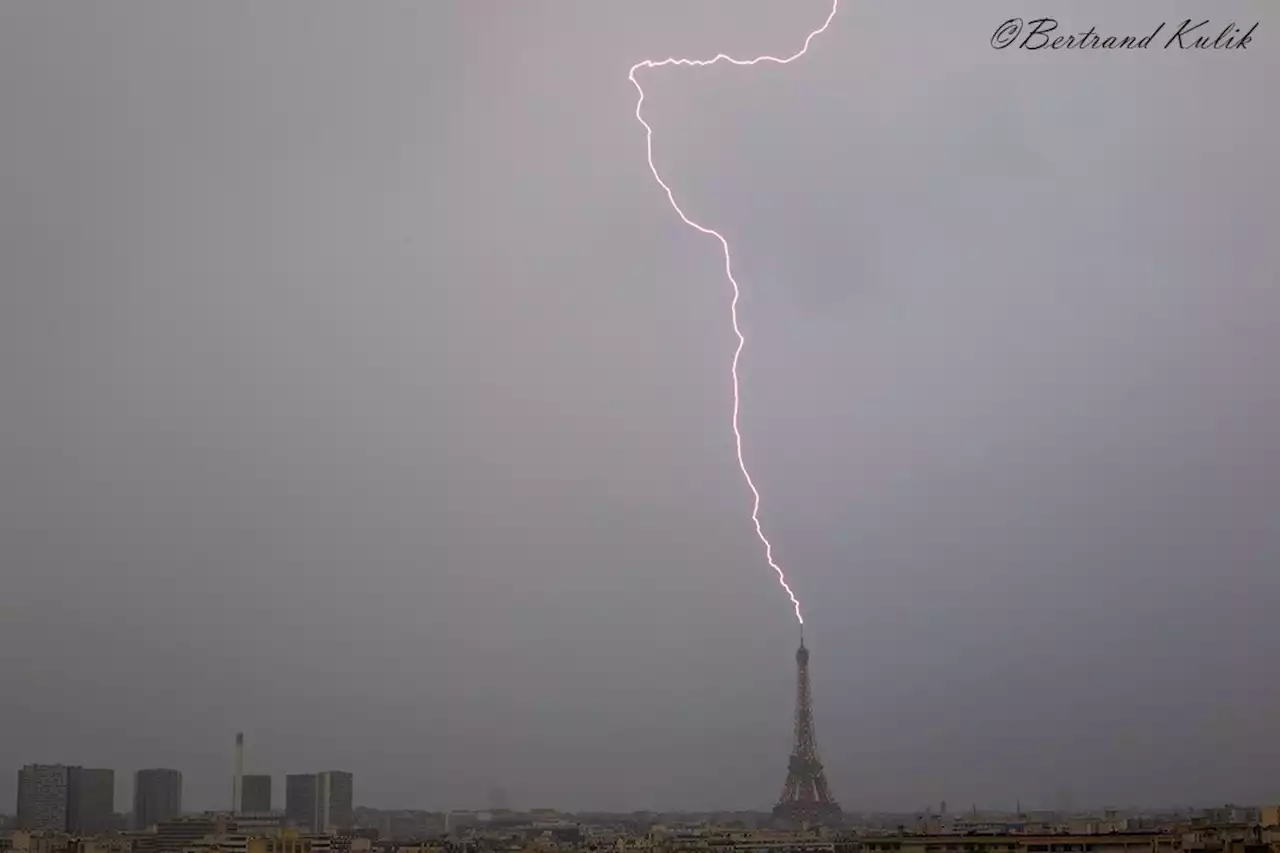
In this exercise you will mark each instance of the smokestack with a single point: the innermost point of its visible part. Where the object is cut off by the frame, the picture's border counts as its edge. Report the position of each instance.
(237, 779)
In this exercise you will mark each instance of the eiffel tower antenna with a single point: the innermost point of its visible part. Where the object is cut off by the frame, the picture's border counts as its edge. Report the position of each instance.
(806, 798)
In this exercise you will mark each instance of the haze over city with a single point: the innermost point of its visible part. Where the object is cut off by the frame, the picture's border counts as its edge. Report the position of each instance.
(362, 392)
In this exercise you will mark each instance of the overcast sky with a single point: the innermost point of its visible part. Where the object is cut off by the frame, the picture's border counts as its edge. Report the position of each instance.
(360, 391)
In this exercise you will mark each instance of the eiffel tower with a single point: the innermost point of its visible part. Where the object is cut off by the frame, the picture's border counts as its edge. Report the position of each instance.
(805, 799)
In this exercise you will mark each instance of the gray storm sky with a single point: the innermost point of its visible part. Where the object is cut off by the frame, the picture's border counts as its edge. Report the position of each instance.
(360, 391)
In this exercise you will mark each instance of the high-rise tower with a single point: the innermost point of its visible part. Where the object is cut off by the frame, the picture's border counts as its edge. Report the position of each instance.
(91, 800)
(44, 797)
(61, 798)
(255, 793)
(300, 801)
(157, 796)
(805, 796)
(334, 808)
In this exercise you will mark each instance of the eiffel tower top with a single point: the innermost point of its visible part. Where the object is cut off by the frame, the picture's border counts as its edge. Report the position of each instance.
(802, 654)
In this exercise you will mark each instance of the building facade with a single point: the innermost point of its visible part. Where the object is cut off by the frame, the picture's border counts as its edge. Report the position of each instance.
(91, 800)
(179, 834)
(335, 807)
(318, 802)
(43, 797)
(157, 796)
(66, 798)
(255, 793)
(300, 800)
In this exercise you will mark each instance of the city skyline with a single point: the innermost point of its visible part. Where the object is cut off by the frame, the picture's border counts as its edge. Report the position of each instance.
(362, 393)
(935, 808)
(309, 789)
(71, 796)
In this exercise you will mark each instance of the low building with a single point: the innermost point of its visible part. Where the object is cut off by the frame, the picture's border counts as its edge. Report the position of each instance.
(175, 836)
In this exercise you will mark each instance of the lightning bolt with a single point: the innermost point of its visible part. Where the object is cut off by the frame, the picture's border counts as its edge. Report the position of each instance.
(728, 262)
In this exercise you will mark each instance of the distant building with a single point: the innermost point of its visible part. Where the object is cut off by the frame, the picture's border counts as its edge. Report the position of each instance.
(300, 801)
(157, 797)
(335, 807)
(63, 798)
(175, 836)
(43, 797)
(255, 794)
(460, 819)
(269, 823)
(1231, 814)
(91, 800)
(1053, 842)
(288, 843)
(318, 802)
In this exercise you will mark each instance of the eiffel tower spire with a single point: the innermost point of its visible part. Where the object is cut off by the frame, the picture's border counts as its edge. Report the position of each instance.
(805, 796)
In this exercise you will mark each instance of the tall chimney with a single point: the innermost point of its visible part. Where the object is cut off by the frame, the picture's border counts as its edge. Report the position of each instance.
(237, 779)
